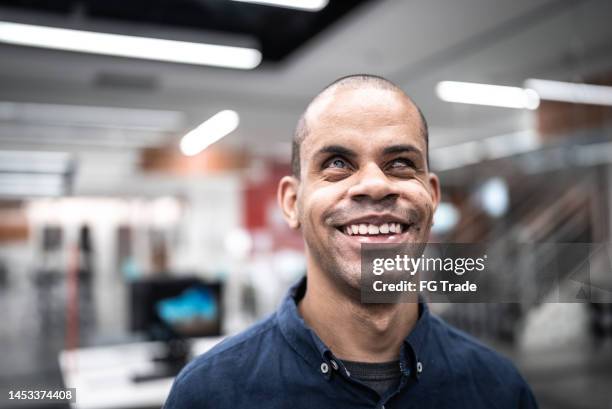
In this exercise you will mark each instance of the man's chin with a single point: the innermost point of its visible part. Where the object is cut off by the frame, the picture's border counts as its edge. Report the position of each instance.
(349, 279)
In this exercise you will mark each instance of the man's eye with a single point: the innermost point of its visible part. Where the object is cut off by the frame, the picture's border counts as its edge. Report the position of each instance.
(401, 163)
(337, 163)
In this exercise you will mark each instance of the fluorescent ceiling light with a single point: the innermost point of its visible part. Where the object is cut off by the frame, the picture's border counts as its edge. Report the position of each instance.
(129, 46)
(308, 5)
(209, 132)
(571, 92)
(485, 94)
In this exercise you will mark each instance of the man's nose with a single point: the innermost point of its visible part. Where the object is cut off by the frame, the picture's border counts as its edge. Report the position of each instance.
(373, 184)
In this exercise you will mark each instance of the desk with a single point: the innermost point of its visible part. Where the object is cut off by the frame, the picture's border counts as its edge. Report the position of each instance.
(102, 376)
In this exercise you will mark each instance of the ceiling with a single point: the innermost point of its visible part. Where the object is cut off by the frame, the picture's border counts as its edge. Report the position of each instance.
(414, 43)
(277, 31)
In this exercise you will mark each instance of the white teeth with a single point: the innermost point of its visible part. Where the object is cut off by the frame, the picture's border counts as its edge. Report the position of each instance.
(372, 229)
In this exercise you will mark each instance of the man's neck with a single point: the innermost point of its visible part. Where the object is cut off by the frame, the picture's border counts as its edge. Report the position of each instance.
(352, 330)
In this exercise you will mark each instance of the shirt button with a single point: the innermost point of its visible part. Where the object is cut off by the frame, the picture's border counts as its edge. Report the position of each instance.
(334, 364)
(419, 367)
(324, 368)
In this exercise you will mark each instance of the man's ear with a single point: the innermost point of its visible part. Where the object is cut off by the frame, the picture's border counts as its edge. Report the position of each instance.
(434, 187)
(287, 200)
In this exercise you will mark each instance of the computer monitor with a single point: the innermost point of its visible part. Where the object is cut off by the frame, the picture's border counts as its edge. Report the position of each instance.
(173, 310)
(168, 308)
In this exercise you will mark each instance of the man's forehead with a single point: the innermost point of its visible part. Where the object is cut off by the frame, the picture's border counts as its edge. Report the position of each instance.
(369, 117)
(342, 101)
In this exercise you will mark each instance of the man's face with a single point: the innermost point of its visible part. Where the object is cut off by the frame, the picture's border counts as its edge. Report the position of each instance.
(364, 178)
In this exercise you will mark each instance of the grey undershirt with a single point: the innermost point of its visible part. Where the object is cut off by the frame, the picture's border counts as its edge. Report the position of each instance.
(379, 376)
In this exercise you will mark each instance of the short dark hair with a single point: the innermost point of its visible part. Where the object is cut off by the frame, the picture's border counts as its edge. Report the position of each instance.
(354, 80)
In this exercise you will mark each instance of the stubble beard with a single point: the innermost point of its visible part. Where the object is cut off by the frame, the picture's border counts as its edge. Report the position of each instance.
(344, 276)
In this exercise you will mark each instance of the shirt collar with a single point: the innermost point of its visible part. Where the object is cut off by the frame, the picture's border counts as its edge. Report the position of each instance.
(309, 346)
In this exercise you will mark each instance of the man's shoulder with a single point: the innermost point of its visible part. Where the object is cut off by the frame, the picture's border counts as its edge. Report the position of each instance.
(479, 368)
(215, 375)
(474, 356)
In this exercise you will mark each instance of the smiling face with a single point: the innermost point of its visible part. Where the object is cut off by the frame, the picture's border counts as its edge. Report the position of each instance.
(364, 179)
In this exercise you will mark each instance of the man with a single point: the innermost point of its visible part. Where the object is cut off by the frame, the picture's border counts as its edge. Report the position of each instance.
(360, 175)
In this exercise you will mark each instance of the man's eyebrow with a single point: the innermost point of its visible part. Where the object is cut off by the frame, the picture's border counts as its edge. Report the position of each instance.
(337, 150)
(401, 149)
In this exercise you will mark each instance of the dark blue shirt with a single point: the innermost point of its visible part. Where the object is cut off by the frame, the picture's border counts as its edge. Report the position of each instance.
(281, 363)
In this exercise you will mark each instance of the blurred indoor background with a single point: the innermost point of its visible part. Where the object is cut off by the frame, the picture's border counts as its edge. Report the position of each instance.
(141, 143)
